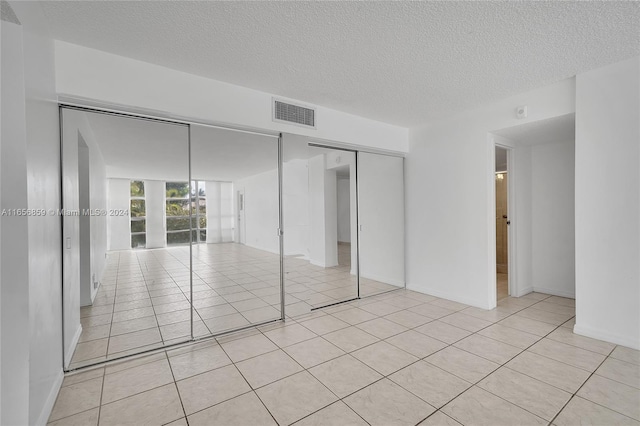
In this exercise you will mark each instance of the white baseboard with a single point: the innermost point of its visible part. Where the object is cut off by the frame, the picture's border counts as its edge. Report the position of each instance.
(262, 248)
(51, 399)
(322, 265)
(385, 280)
(72, 347)
(448, 296)
(554, 292)
(628, 341)
(523, 292)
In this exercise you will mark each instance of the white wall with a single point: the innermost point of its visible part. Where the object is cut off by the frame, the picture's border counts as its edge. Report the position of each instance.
(78, 279)
(71, 234)
(338, 159)
(381, 218)
(449, 195)
(261, 208)
(84, 230)
(119, 227)
(553, 218)
(295, 205)
(36, 320)
(344, 210)
(92, 74)
(78, 130)
(14, 265)
(323, 218)
(607, 208)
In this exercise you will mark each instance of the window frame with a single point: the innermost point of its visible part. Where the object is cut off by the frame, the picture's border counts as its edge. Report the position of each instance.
(137, 218)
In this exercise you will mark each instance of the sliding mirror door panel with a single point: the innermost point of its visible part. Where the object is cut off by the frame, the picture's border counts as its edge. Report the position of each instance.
(236, 246)
(320, 229)
(381, 223)
(125, 287)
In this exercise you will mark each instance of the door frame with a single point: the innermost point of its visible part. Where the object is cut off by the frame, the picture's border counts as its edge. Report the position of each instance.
(497, 142)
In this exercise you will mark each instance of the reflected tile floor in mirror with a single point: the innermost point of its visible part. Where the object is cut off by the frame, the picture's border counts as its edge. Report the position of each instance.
(143, 302)
(397, 358)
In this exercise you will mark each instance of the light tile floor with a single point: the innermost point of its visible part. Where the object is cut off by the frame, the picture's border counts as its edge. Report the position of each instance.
(143, 302)
(399, 358)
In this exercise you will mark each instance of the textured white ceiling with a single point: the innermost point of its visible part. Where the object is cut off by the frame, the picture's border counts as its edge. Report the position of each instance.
(406, 63)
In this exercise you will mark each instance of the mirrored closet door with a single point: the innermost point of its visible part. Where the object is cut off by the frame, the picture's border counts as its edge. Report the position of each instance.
(236, 243)
(171, 233)
(381, 223)
(175, 231)
(343, 216)
(126, 273)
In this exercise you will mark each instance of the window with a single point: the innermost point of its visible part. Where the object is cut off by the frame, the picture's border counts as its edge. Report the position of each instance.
(185, 203)
(138, 215)
(199, 199)
(178, 213)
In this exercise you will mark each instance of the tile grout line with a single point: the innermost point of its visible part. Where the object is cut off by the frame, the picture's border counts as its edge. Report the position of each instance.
(104, 378)
(248, 384)
(575, 394)
(175, 385)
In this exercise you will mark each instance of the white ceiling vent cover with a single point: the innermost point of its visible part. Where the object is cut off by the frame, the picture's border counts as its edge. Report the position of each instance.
(294, 114)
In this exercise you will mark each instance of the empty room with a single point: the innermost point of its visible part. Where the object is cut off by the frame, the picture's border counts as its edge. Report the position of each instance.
(320, 213)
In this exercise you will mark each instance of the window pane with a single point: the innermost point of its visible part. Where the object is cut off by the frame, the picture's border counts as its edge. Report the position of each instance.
(138, 225)
(138, 208)
(137, 188)
(178, 238)
(203, 236)
(177, 223)
(178, 208)
(203, 222)
(138, 241)
(177, 189)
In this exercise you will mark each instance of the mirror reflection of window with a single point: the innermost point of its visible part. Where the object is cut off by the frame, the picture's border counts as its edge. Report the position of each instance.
(178, 213)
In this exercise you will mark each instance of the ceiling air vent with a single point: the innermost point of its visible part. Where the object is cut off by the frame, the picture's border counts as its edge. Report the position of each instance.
(295, 114)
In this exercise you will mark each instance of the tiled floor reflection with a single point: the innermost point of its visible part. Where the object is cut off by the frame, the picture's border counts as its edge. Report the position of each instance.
(143, 302)
(399, 358)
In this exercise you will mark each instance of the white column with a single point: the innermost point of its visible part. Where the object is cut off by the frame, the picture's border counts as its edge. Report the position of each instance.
(155, 202)
(607, 207)
(119, 227)
(323, 248)
(214, 212)
(227, 211)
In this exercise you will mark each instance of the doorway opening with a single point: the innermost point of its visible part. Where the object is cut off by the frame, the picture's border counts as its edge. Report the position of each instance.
(502, 223)
(539, 160)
